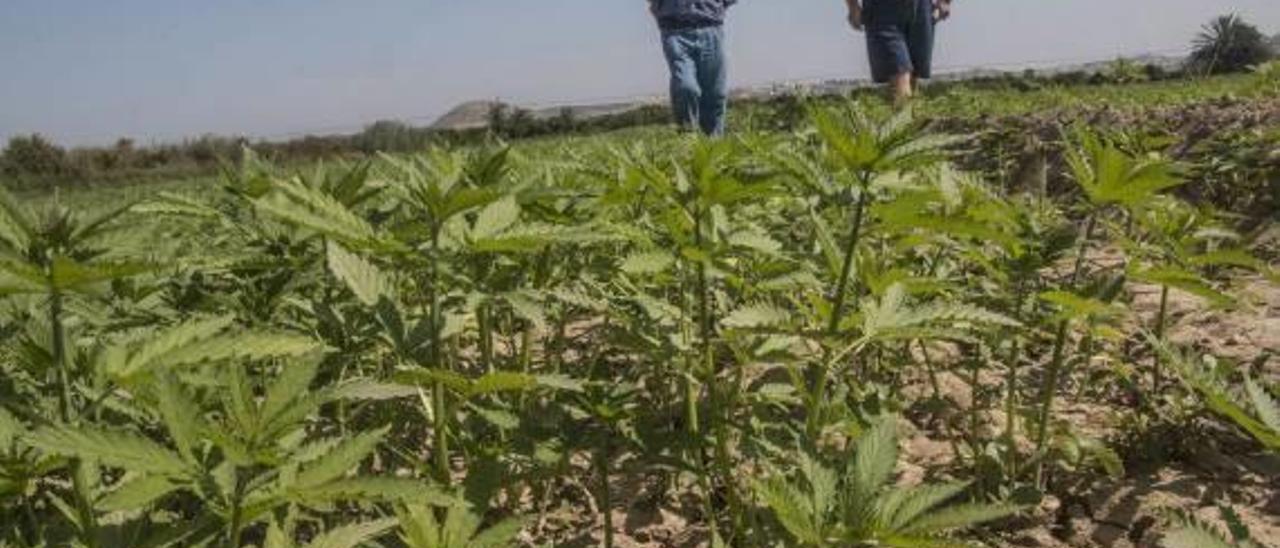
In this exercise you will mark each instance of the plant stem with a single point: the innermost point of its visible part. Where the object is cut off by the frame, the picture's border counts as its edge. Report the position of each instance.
(66, 412)
(58, 331)
(814, 421)
(1161, 318)
(932, 369)
(975, 370)
(1011, 391)
(1050, 388)
(719, 412)
(237, 512)
(850, 255)
(440, 407)
(486, 337)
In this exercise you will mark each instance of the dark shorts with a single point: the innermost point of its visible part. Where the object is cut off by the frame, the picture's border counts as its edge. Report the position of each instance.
(899, 37)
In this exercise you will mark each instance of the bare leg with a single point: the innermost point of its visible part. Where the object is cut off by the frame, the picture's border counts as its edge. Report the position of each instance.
(902, 88)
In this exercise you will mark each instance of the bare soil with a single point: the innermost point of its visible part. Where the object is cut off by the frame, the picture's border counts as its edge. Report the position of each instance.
(1220, 468)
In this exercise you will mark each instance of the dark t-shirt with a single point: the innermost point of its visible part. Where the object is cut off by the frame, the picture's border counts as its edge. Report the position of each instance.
(684, 14)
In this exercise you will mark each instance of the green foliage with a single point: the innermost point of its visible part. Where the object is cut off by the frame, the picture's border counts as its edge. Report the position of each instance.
(1192, 532)
(1229, 44)
(33, 155)
(1251, 407)
(460, 528)
(823, 507)
(308, 353)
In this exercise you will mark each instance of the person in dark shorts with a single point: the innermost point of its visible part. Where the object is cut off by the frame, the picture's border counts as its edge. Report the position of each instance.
(900, 36)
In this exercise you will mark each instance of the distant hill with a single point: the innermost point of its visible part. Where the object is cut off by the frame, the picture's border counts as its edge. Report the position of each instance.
(475, 114)
(469, 115)
(1275, 45)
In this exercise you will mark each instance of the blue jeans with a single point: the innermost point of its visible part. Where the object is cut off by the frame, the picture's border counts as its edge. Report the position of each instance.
(698, 77)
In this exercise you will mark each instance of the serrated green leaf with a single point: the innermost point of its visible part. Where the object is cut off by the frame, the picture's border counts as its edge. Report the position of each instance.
(960, 516)
(370, 390)
(387, 489)
(788, 505)
(152, 351)
(341, 459)
(15, 223)
(875, 457)
(757, 316)
(138, 493)
(10, 429)
(68, 275)
(20, 279)
(527, 306)
(350, 536)
(503, 420)
(247, 346)
(112, 448)
(653, 262)
(498, 535)
(360, 276)
(1185, 281)
(496, 217)
(500, 381)
(1263, 404)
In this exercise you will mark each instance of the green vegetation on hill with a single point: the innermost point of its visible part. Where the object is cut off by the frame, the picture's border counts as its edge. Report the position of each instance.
(33, 163)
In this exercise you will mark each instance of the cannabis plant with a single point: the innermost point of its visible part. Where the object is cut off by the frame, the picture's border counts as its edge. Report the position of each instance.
(822, 505)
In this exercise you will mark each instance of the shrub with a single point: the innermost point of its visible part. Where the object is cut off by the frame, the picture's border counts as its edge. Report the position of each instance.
(1228, 44)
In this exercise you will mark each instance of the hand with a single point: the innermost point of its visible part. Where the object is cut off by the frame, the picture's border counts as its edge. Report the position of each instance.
(941, 10)
(855, 19)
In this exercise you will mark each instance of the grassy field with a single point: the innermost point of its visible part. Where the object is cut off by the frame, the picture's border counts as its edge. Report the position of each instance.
(824, 335)
(953, 101)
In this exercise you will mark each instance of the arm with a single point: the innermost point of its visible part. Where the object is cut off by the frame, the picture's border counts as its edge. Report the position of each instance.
(855, 14)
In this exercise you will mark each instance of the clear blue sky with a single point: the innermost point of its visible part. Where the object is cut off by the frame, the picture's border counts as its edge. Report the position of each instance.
(86, 71)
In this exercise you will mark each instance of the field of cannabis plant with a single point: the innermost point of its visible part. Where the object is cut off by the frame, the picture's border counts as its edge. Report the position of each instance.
(828, 337)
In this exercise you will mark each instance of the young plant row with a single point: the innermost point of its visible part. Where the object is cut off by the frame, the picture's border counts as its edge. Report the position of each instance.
(438, 350)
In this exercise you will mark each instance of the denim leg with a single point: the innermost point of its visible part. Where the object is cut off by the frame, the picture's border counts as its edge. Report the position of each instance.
(713, 79)
(686, 94)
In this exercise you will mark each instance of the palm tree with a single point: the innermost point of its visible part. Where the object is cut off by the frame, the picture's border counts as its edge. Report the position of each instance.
(1228, 44)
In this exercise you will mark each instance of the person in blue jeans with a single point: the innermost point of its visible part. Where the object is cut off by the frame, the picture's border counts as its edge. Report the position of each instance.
(693, 42)
(900, 36)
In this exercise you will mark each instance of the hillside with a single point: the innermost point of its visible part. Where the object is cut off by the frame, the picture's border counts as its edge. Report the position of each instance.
(471, 114)
(475, 114)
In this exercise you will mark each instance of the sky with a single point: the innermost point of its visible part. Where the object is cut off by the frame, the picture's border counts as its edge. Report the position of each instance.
(86, 72)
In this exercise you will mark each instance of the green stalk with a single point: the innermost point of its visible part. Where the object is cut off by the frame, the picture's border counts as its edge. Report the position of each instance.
(1050, 389)
(814, 421)
(932, 369)
(439, 407)
(236, 524)
(975, 369)
(60, 356)
(66, 413)
(850, 255)
(1011, 392)
(486, 337)
(1161, 318)
(689, 383)
(706, 333)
